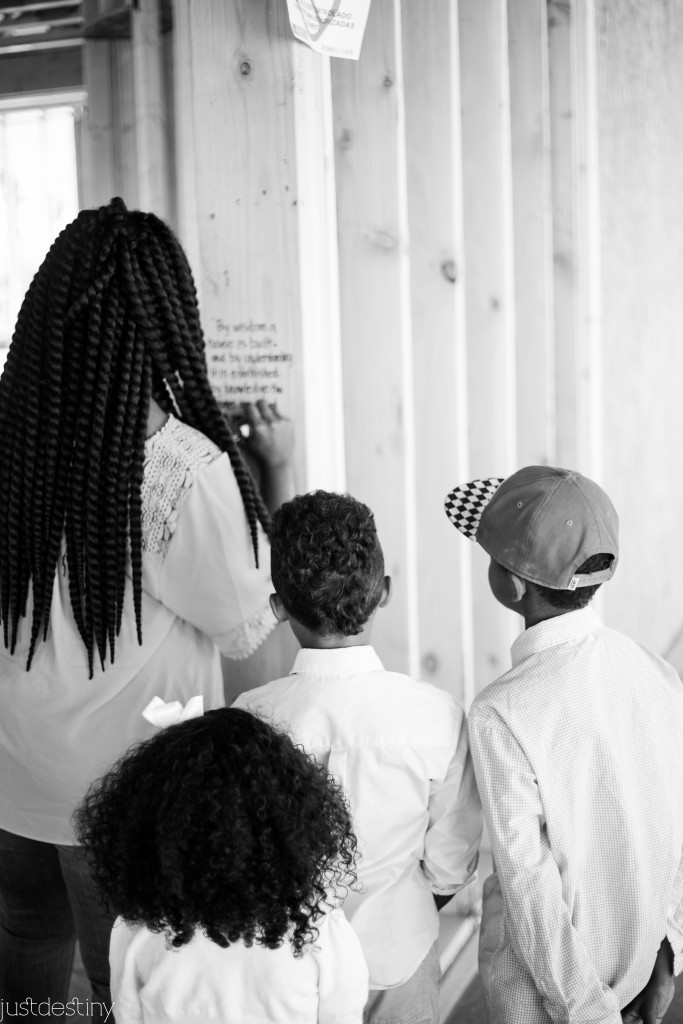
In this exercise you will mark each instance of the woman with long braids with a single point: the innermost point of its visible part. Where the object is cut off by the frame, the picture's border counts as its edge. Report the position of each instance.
(133, 550)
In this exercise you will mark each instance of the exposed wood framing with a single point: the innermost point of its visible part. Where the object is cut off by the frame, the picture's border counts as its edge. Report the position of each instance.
(575, 232)
(150, 109)
(533, 240)
(97, 137)
(39, 26)
(490, 299)
(321, 360)
(437, 270)
(35, 73)
(125, 139)
(375, 311)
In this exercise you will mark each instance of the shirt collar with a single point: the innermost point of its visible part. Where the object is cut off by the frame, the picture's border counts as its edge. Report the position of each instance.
(561, 629)
(337, 661)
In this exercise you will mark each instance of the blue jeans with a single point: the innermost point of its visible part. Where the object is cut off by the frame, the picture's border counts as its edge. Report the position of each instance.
(47, 901)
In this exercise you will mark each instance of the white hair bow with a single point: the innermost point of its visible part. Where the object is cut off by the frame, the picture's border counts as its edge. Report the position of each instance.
(161, 714)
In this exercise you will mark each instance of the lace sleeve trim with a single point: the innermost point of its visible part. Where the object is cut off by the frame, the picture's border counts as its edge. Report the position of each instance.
(242, 640)
(173, 458)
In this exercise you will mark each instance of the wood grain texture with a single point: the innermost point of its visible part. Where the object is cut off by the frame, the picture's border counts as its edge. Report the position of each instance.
(321, 438)
(242, 181)
(490, 298)
(256, 211)
(640, 99)
(375, 311)
(439, 367)
(184, 141)
(532, 216)
(125, 135)
(576, 283)
(109, 135)
(99, 178)
(150, 108)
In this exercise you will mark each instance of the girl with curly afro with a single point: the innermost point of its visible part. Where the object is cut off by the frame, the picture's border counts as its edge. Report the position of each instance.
(225, 850)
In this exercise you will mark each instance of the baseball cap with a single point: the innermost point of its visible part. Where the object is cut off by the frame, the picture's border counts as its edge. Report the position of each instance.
(541, 523)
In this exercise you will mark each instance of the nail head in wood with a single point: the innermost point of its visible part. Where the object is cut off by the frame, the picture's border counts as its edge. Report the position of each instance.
(449, 270)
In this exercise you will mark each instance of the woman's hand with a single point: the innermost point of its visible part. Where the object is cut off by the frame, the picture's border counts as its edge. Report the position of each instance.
(270, 444)
(271, 436)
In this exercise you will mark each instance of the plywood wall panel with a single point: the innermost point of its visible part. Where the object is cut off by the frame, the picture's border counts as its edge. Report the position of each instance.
(238, 188)
(490, 298)
(256, 213)
(532, 221)
(576, 242)
(368, 104)
(640, 99)
(437, 280)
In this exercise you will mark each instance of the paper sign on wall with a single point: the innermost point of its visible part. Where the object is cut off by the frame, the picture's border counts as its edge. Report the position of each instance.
(334, 27)
(247, 360)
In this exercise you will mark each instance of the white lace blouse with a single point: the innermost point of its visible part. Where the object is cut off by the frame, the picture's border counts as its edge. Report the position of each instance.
(202, 595)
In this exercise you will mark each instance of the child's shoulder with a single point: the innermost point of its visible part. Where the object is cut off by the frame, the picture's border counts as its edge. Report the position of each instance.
(258, 694)
(383, 681)
(413, 707)
(511, 695)
(561, 680)
(423, 692)
(422, 707)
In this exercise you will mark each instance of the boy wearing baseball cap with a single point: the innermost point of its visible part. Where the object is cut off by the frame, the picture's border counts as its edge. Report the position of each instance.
(578, 755)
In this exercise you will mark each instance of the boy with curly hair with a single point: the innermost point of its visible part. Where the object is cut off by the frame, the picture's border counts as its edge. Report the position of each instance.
(398, 746)
(578, 753)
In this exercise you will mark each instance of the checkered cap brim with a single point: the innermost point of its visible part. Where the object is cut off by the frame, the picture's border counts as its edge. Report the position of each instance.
(465, 504)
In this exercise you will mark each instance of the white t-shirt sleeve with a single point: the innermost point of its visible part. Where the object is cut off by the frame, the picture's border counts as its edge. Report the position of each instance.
(209, 575)
(343, 973)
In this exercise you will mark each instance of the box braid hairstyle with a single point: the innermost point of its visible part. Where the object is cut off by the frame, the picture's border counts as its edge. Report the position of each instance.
(109, 320)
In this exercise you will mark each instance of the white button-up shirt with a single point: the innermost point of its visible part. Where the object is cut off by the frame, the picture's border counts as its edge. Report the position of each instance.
(399, 748)
(578, 752)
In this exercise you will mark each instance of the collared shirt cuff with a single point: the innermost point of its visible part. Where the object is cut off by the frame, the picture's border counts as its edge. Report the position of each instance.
(561, 1012)
(451, 890)
(447, 890)
(677, 947)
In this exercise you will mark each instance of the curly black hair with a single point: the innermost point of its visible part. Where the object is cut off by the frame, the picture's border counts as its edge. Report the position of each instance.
(326, 562)
(222, 824)
(109, 320)
(574, 600)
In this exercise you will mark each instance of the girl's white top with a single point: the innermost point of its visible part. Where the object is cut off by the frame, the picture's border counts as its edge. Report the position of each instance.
(202, 595)
(238, 985)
